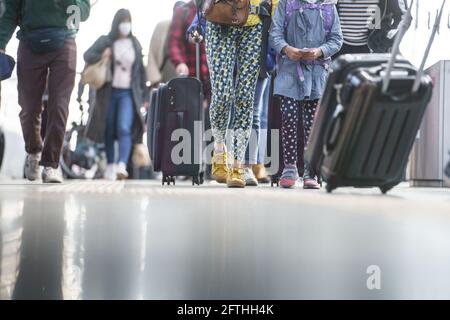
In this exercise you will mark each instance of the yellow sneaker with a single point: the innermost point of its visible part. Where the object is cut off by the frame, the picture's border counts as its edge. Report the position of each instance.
(260, 173)
(236, 178)
(220, 167)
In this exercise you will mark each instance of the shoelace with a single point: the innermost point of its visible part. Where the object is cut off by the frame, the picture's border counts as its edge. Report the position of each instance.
(220, 160)
(237, 173)
(222, 157)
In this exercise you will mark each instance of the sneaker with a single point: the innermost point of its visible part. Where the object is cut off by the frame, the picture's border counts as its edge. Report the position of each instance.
(51, 175)
(311, 184)
(235, 178)
(309, 179)
(260, 173)
(110, 172)
(32, 166)
(249, 177)
(121, 171)
(220, 169)
(289, 177)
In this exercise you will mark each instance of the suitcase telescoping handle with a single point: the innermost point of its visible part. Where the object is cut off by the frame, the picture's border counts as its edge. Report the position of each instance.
(197, 58)
(404, 26)
(427, 51)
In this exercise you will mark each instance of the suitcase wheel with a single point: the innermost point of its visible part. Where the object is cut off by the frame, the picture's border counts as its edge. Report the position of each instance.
(168, 180)
(386, 189)
(198, 180)
(275, 181)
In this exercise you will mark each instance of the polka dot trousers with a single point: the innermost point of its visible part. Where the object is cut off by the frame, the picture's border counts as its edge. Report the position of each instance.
(292, 111)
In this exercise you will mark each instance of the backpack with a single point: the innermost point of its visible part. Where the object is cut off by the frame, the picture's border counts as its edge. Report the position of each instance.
(327, 9)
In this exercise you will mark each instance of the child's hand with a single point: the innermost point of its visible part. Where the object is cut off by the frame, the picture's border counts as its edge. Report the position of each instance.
(293, 54)
(313, 54)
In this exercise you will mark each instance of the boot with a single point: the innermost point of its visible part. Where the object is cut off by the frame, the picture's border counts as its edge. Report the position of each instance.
(260, 173)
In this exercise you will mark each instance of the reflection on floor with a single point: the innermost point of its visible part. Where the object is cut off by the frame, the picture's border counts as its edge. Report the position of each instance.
(100, 240)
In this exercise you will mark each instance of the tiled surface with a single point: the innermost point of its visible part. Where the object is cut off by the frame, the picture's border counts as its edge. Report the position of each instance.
(136, 240)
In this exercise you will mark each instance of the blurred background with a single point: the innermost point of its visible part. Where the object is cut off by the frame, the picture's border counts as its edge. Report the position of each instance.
(146, 14)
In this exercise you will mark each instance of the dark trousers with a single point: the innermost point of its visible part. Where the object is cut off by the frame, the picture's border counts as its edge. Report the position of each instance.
(33, 70)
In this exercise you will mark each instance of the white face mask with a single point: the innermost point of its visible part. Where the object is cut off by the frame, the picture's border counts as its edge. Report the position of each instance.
(125, 28)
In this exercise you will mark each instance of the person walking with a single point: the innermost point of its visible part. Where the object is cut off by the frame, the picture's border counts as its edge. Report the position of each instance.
(362, 32)
(159, 67)
(182, 49)
(230, 49)
(306, 33)
(47, 48)
(255, 170)
(117, 111)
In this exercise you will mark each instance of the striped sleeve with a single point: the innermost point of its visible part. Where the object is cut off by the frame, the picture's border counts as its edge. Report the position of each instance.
(356, 19)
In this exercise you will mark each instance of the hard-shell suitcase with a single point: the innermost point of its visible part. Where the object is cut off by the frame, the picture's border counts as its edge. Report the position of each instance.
(370, 114)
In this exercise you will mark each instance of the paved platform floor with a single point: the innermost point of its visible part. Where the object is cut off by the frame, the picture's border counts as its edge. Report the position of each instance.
(137, 240)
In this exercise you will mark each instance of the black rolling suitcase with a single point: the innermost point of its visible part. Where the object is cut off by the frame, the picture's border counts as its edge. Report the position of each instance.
(176, 121)
(155, 119)
(369, 117)
(152, 122)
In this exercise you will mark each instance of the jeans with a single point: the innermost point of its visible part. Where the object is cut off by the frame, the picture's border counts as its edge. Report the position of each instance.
(256, 150)
(119, 125)
(264, 120)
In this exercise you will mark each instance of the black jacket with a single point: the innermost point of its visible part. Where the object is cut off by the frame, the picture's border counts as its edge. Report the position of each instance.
(392, 12)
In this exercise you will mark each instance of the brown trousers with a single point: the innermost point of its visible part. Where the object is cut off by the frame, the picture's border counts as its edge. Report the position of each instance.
(56, 70)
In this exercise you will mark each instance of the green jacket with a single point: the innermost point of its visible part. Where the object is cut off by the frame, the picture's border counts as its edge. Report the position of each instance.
(36, 14)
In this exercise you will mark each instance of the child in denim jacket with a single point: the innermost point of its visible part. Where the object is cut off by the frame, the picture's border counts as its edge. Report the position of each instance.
(306, 34)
